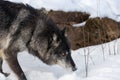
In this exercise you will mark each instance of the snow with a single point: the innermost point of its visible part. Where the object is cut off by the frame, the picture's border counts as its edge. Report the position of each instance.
(102, 63)
(101, 8)
(79, 24)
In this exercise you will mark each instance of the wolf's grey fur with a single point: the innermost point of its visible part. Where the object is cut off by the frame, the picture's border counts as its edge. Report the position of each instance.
(20, 17)
(23, 27)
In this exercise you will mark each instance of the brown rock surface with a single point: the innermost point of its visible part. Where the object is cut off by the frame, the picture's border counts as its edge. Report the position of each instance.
(94, 32)
(69, 18)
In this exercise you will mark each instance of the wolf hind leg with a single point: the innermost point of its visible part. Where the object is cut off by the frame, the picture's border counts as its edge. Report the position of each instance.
(1, 62)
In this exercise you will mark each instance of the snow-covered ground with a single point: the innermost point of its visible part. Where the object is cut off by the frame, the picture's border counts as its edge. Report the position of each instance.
(102, 63)
(102, 8)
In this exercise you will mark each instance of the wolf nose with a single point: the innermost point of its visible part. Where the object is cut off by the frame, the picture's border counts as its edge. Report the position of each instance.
(74, 69)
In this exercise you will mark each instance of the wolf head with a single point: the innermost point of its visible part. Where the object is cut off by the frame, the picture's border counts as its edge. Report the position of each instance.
(50, 44)
(58, 51)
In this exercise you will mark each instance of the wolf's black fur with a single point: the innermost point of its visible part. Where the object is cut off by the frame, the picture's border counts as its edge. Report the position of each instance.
(23, 27)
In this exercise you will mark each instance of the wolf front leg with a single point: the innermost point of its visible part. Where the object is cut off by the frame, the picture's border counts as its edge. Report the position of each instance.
(11, 58)
(1, 62)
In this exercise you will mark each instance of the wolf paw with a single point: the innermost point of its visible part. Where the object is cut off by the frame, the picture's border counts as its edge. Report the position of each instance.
(6, 74)
(23, 77)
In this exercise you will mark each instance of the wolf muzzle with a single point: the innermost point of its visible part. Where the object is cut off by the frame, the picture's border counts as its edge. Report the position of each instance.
(74, 69)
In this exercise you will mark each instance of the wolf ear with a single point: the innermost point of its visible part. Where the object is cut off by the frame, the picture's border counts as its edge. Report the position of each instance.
(54, 37)
(64, 31)
(55, 42)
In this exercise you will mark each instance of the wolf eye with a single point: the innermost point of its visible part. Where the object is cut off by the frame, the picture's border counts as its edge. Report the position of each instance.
(63, 54)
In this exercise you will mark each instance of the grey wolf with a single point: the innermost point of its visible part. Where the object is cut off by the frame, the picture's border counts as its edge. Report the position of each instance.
(24, 28)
